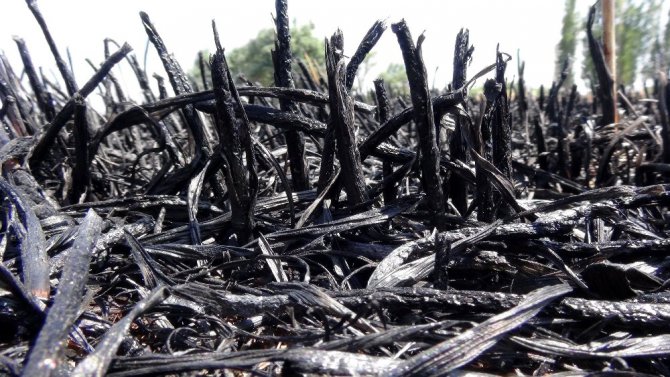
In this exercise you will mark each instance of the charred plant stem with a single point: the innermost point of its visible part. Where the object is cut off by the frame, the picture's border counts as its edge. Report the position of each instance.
(423, 117)
(70, 83)
(342, 120)
(485, 206)
(236, 148)
(389, 192)
(501, 132)
(663, 111)
(605, 80)
(80, 172)
(457, 188)
(47, 138)
(282, 58)
(369, 41)
(203, 70)
(35, 83)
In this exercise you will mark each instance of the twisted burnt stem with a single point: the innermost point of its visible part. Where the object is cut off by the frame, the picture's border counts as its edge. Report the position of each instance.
(327, 167)
(663, 101)
(605, 80)
(563, 127)
(68, 78)
(383, 109)
(203, 70)
(444, 102)
(456, 188)
(80, 172)
(484, 194)
(369, 41)
(236, 147)
(43, 102)
(501, 132)
(424, 119)
(282, 58)
(552, 100)
(49, 135)
(180, 84)
(343, 124)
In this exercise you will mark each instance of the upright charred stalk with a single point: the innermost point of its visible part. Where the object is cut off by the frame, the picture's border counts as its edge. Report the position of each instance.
(80, 174)
(383, 108)
(383, 105)
(521, 99)
(181, 85)
(68, 78)
(501, 132)
(605, 80)
(327, 167)
(46, 107)
(342, 121)
(484, 194)
(552, 101)
(542, 160)
(663, 101)
(282, 59)
(423, 117)
(236, 149)
(563, 129)
(456, 187)
(203, 70)
(369, 41)
(11, 107)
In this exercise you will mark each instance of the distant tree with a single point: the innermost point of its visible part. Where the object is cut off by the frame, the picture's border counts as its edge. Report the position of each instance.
(365, 68)
(254, 59)
(195, 74)
(588, 70)
(637, 25)
(567, 45)
(656, 61)
(660, 53)
(395, 79)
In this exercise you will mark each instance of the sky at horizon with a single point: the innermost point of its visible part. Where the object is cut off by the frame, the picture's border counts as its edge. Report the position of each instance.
(528, 26)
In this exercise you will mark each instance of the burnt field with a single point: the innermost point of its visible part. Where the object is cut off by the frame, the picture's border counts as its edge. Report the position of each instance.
(310, 229)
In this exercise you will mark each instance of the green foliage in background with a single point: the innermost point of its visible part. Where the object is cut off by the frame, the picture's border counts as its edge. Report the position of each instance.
(637, 29)
(254, 59)
(568, 44)
(395, 79)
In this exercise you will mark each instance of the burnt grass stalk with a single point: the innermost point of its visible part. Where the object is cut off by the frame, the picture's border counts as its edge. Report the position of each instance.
(318, 227)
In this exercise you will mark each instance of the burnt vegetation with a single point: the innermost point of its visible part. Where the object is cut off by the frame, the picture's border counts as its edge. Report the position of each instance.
(308, 228)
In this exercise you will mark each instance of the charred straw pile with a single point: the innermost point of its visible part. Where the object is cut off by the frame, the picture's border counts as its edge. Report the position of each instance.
(301, 229)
